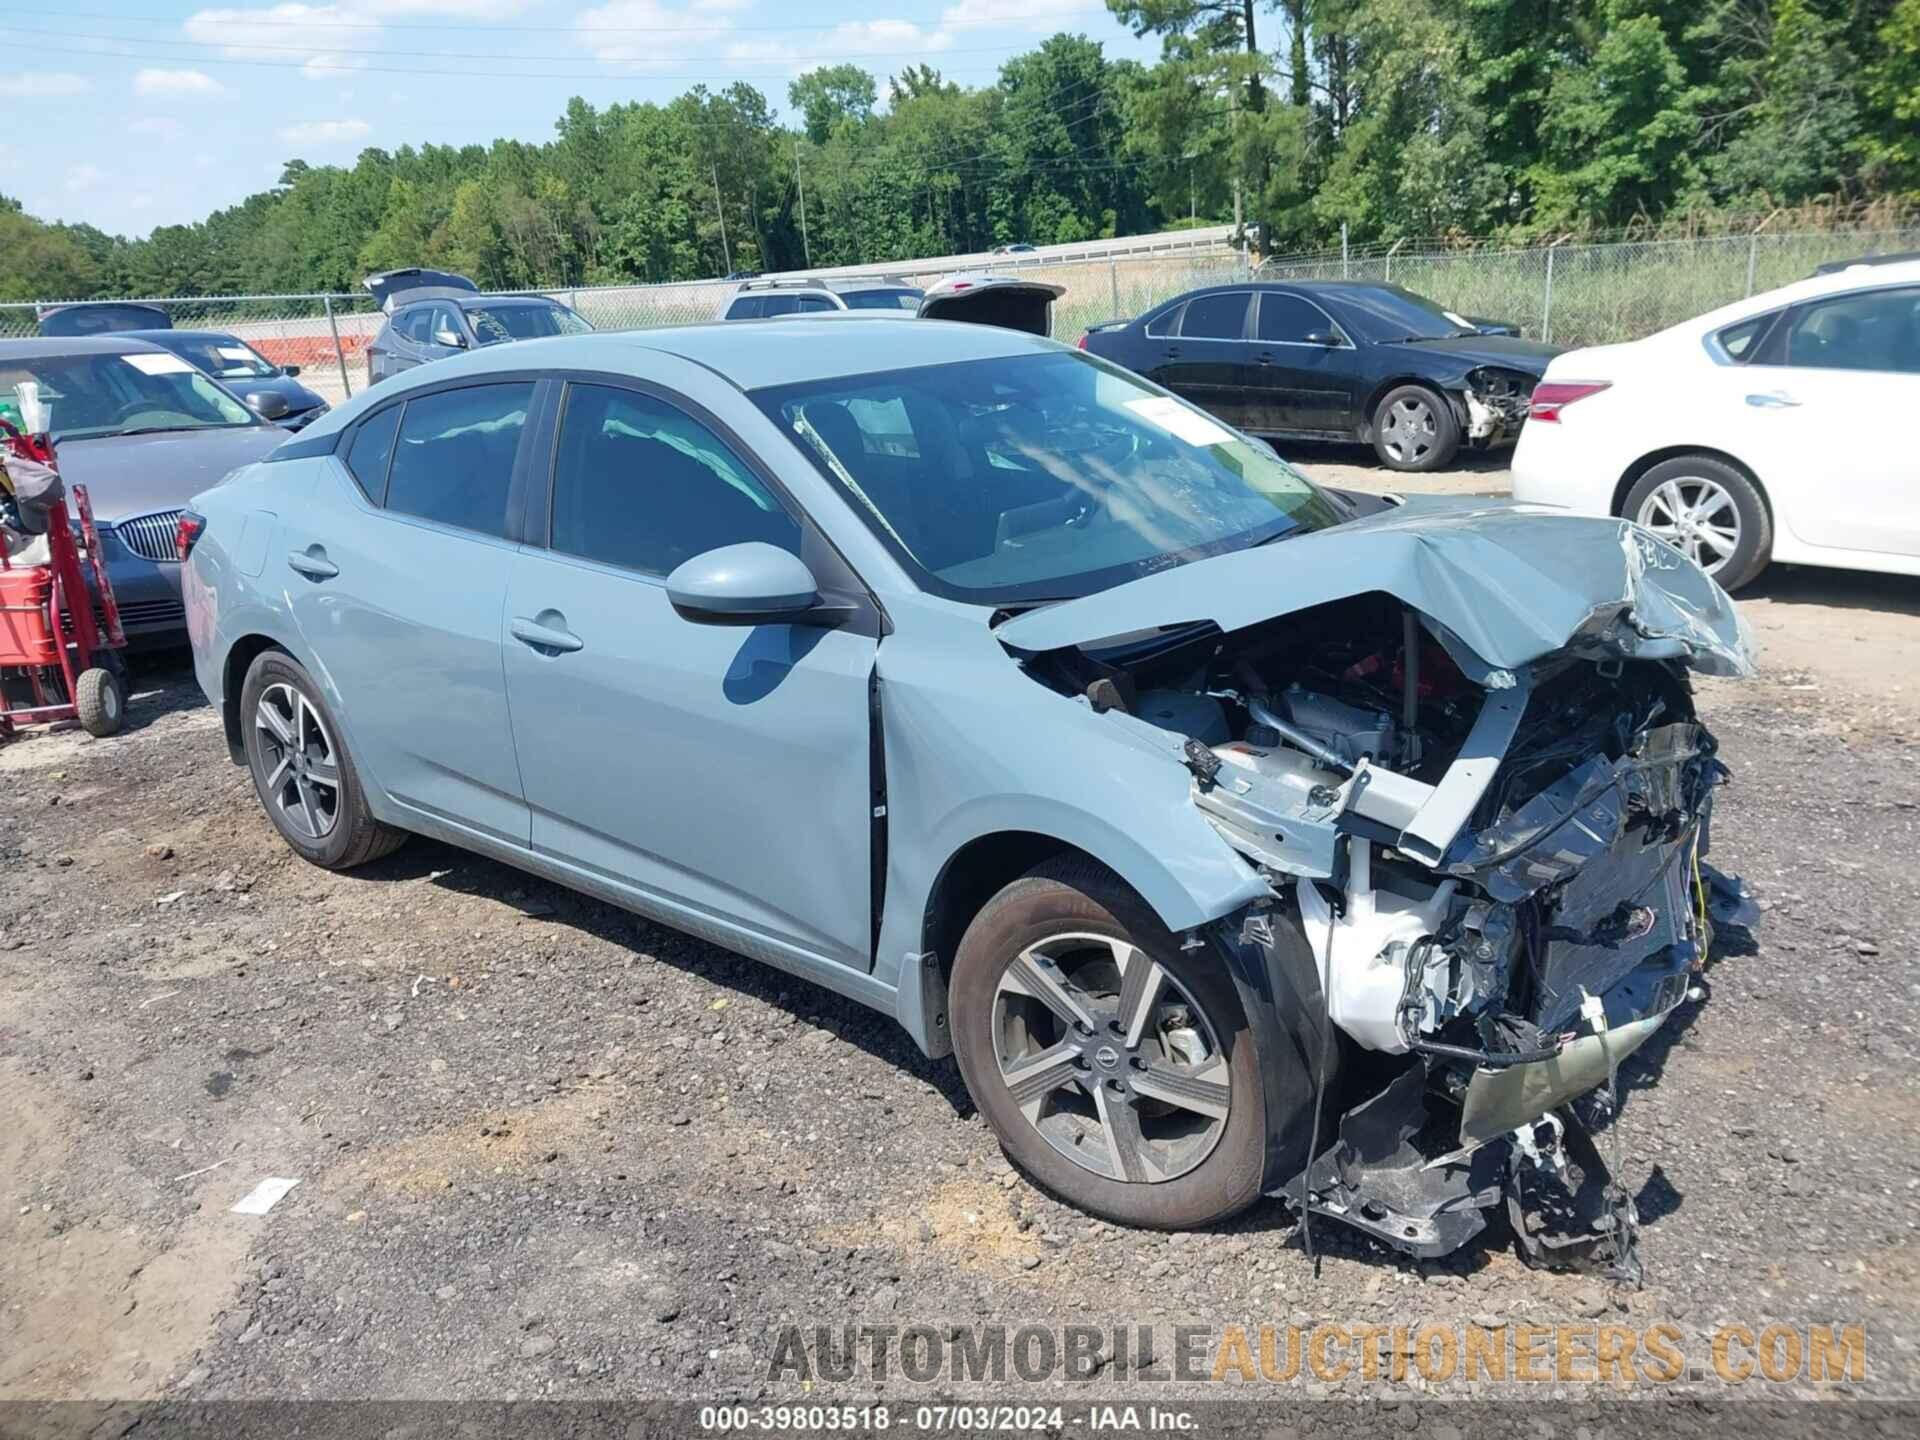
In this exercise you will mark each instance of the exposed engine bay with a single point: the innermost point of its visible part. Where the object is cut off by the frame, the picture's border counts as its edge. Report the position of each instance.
(1499, 880)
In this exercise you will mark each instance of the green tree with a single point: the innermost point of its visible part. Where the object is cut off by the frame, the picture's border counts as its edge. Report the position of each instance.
(833, 95)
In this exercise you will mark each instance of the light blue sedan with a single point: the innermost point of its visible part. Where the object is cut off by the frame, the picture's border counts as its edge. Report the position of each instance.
(985, 683)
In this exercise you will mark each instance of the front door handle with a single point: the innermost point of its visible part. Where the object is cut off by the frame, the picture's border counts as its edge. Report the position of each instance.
(1173, 352)
(312, 563)
(1263, 359)
(544, 637)
(1774, 400)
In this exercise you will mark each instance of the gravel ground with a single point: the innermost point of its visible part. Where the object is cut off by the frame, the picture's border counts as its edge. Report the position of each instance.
(548, 1149)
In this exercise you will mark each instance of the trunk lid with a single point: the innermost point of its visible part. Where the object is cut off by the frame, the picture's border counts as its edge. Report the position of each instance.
(1003, 300)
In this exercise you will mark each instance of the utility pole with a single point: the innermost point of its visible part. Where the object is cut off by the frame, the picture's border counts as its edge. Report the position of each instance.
(726, 252)
(806, 247)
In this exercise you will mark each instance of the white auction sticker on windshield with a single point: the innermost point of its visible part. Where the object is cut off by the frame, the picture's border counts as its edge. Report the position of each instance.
(1188, 425)
(159, 363)
(235, 352)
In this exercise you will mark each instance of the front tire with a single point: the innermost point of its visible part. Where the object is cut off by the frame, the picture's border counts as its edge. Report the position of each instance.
(1708, 511)
(1414, 429)
(301, 771)
(1117, 1070)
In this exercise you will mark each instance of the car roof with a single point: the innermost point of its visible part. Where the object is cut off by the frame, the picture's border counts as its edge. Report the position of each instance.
(751, 354)
(160, 337)
(838, 285)
(46, 347)
(1855, 277)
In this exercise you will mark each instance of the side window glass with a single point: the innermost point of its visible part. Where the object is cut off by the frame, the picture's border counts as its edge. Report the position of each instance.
(640, 484)
(1165, 325)
(412, 324)
(815, 302)
(779, 304)
(1737, 341)
(371, 450)
(443, 319)
(454, 459)
(1216, 317)
(1879, 330)
(1288, 320)
(748, 307)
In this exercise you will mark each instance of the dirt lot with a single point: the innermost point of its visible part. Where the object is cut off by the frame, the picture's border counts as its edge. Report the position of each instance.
(548, 1149)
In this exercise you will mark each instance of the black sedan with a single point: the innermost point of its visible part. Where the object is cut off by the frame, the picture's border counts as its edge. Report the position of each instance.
(271, 391)
(1335, 360)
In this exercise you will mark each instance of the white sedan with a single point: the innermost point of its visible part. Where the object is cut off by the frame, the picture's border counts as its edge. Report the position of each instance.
(1766, 430)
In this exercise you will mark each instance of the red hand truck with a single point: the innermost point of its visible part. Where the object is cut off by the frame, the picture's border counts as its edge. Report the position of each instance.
(57, 662)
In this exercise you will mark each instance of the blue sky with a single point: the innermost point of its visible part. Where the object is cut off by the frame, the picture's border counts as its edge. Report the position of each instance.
(138, 113)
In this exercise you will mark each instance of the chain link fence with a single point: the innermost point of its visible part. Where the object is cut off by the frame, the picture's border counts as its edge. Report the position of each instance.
(1597, 294)
(1569, 294)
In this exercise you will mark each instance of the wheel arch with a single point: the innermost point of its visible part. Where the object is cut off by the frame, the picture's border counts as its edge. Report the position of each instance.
(1451, 391)
(233, 674)
(1633, 474)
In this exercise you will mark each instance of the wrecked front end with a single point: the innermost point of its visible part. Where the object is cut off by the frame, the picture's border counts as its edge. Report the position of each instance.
(1487, 887)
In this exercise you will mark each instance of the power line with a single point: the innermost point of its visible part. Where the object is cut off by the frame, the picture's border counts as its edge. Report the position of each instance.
(1039, 12)
(463, 73)
(331, 50)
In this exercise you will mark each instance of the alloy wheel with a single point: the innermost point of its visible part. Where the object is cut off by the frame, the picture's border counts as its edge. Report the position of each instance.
(1411, 430)
(301, 767)
(1110, 1058)
(1696, 516)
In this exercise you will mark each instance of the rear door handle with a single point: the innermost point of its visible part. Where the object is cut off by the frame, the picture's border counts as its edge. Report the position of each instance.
(312, 563)
(544, 637)
(1776, 400)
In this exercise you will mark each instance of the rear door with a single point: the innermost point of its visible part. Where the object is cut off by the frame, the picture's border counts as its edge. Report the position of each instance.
(1302, 382)
(396, 568)
(709, 771)
(1210, 361)
(1824, 403)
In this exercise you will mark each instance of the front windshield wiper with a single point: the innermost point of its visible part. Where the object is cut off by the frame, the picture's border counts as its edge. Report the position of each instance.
(162, 429)
(1021, 607)
(1421, 339)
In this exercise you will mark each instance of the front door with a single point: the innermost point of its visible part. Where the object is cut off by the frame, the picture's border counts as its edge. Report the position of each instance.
(1303, 370)
(1209, 361)
(397, 569)
(724, 769)
(1824, 406)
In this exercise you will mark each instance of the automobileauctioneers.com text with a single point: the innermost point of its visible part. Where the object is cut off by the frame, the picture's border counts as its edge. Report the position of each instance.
(1561, 1353)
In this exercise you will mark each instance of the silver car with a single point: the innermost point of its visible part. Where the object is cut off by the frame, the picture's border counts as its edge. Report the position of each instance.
(1236, 836)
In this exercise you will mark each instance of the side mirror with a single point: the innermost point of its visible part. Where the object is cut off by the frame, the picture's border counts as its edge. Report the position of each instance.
(1321, 337)
(290, 371)
(753, 583)
(268, 405)
(451, 338)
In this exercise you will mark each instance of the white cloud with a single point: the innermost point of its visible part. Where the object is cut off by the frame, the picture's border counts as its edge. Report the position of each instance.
(326, 132)
(1043, 16)
(850, 37)
(641, 31)
(42, 85)
(84, 177)
(175, 84)
(164, 126)
(321, 37)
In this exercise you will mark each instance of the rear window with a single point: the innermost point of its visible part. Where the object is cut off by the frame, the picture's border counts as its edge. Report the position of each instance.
(454, 460)
(1216, 317)
(899, 299)
(372, 448)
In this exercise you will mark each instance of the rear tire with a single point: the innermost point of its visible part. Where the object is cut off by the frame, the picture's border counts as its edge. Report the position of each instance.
(1415, 430)
(301, 770)
(100, 700)
(1160, 1122)
(1693, 486)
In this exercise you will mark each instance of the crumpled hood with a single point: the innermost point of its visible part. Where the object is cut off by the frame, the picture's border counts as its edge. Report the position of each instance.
(128, 475)
(1509, 351)
(1508, 584)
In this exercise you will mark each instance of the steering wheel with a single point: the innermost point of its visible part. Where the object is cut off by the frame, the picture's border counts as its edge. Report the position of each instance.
(139, 405)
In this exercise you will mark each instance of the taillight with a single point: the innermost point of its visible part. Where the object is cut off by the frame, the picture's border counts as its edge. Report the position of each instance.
(1081, 343)
(188, 530)
(1550, 397)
